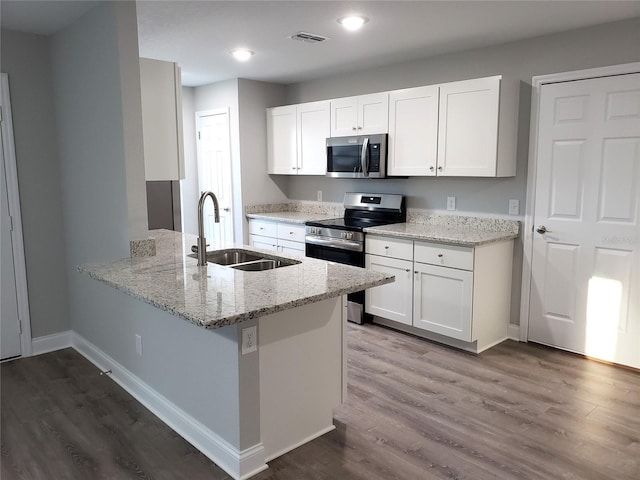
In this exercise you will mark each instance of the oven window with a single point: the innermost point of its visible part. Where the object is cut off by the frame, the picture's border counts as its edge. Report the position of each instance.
(335, 255)
(344, 158)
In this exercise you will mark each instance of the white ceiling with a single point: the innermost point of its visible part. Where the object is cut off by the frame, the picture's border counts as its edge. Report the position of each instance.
(199, 34)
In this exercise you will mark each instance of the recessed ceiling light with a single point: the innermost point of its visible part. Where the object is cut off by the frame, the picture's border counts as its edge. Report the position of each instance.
(242, 54)
(353, 22)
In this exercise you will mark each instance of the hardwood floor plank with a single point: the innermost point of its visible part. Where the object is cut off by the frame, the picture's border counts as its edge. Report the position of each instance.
(415, 410)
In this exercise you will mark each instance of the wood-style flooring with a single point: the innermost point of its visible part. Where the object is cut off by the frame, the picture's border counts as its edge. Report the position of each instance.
(416, 410)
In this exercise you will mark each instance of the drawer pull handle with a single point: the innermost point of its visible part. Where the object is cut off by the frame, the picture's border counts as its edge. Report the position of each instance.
(408, 270)
(439, 255)
(386, 247)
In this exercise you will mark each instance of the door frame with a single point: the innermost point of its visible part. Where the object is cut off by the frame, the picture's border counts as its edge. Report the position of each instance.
(207, 113)
(527, 234)
(9, 154)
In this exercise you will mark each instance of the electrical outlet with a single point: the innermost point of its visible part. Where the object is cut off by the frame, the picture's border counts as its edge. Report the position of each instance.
(138, 344)
(514, 207)
(249, 339)
(319, 195)
(451, 203)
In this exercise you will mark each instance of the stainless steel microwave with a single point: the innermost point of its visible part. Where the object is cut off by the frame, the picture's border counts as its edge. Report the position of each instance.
(362, 156)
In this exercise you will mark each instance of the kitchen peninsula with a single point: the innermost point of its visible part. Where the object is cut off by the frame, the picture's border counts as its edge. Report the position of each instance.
(241, 401)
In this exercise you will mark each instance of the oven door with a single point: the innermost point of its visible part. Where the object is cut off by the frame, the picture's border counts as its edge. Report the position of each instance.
(323, 250)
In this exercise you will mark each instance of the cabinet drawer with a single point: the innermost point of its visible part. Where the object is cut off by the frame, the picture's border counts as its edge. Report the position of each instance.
(260, 227)
(288, 231)
(445, 255)
(386, 247)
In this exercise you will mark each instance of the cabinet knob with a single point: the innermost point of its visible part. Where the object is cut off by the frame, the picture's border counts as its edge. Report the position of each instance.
(359, 128)
(293, 168)
(440, 169)
(261, 228)
(439, 255)
(290, 233)
(353, 128)
(408, 270)
(431, 168)
(415, 271)
(386, 247)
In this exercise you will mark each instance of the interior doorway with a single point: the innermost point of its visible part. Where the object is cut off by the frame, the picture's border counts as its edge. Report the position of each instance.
(214, 171)
(584, 231)
(15, 325)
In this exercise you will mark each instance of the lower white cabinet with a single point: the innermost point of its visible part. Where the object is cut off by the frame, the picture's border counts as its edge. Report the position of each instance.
(395, 300)
(442, 300)
(456, 295)
(281, 237)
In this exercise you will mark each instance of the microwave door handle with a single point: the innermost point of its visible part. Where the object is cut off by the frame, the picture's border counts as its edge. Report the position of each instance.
(364, 158)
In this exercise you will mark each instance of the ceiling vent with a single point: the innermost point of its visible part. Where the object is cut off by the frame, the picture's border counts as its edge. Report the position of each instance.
(308, 37)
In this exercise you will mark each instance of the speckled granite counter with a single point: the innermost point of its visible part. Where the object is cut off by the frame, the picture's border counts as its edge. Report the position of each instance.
(289, 217)
(216, 296)
(451, 229)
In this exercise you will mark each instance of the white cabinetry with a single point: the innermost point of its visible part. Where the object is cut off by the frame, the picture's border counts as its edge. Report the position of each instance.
(282, 237)
(413, 132)
(456, 295)
(296, 138)
(468, 129)
(442, 294)
(395, 300)
(361, 115)
(161, 96)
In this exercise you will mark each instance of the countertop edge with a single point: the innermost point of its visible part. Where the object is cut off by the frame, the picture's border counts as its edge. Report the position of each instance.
(499, 237)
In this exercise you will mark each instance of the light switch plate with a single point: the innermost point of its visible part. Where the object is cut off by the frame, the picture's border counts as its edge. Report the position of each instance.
(451, 203)
(514, 207)
(139, 344)
(249, 339)
(319, 195)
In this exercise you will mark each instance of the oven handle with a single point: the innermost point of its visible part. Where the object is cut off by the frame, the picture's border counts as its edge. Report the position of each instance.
(335, 243)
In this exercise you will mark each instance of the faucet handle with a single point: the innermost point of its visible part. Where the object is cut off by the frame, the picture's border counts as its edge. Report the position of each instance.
(194, 248)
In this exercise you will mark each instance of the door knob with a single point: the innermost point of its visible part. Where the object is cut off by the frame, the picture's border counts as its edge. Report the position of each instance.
(542, 229)
(226, 209)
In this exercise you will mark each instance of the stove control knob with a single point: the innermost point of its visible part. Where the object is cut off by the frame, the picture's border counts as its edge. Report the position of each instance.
(349, 235)
(343, 235)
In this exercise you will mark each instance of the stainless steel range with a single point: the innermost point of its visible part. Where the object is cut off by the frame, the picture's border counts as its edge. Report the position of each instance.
(341, 240)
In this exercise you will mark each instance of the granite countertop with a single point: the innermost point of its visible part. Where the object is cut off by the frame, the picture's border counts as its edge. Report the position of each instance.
(215, 296)
(290, 217)
(463, 235)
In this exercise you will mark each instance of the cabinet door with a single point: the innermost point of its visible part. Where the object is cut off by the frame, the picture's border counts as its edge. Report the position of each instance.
(468, 130)
(314, 121)
(373, 114)
(344, 117)
(295, 249)
(281, 140)
(442, 301)
(413, 132)
(264, 243)
(394, 300)
(161, 96)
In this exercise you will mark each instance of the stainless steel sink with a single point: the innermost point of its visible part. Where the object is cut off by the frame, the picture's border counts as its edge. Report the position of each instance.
(264, 264)
(246, 260)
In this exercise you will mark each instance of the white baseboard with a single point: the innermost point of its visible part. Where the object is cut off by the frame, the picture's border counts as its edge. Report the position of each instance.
(51, 343)
(239, 464)
(514, 332)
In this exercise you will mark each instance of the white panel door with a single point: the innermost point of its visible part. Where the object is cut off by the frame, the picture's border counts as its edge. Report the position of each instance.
(394, 300)
(442, 300)
(314, 122)
(413, 132)
(344, 117)
(9, 319)
(214, 172)
(373, 113)
(586, 267)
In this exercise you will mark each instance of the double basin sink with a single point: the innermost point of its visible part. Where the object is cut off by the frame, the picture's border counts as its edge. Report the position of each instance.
(245, 260)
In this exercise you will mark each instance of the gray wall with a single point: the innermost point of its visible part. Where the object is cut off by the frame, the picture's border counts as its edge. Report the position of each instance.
(189, 189)
(26, 59)
(602, 45)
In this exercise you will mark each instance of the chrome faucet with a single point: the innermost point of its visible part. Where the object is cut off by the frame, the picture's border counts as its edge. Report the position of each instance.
(202, 241)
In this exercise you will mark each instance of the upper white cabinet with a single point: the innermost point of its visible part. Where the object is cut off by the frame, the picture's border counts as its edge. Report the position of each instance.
(161, 95)
(296, 138)
(361, 115)
(468, 128)
(413, 131)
